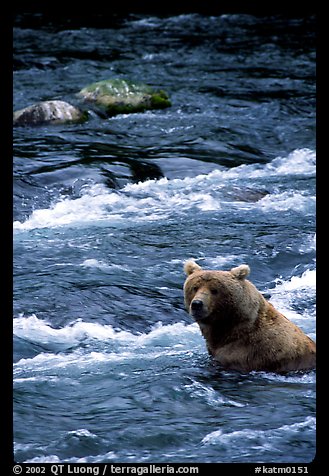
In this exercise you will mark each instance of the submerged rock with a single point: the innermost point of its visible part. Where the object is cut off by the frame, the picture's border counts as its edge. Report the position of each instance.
(118, 96)
(247, 194)
(48, 112)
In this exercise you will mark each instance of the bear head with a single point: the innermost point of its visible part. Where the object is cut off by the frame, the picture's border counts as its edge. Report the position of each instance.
(220, 297)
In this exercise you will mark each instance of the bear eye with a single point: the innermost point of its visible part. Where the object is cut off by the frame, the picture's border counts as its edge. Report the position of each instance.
(195, 288)
(214, 291)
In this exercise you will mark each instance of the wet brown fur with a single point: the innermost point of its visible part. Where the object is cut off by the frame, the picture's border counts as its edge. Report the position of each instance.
(243, 331)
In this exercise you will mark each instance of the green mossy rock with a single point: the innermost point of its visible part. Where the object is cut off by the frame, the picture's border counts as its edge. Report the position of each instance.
(118, 96)
(49, 112)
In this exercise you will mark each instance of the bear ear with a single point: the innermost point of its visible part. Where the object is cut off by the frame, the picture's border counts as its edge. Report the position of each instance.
(241, 271)
(190, 266)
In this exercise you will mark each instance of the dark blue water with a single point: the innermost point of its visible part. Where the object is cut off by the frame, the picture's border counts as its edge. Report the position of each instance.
(108, 366)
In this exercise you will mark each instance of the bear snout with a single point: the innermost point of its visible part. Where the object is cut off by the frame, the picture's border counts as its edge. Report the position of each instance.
(198, 309)
(196, 305)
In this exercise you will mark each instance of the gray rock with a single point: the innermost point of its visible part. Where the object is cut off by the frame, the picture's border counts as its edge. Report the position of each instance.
(49, 112)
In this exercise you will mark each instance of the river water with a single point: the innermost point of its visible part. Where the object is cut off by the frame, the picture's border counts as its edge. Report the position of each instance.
(108, 366)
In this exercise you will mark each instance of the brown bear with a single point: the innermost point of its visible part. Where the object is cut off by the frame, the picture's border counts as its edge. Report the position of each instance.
(243, 331)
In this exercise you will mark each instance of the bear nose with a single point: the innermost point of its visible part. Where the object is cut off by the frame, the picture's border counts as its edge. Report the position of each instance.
(196, 305)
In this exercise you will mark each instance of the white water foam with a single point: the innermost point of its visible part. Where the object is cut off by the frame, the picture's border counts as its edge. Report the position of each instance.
(211, 396)
(39, 331)
(100, 205)
(303, 287)
(158, 199)
(307, 282)
(299, 290)
(284, 201)
(263, 439)
(308, 244)
(99, 264)
(109, 456)
(108, 344)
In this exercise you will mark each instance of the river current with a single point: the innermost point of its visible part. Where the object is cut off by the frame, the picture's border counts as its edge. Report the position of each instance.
(108, 365)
